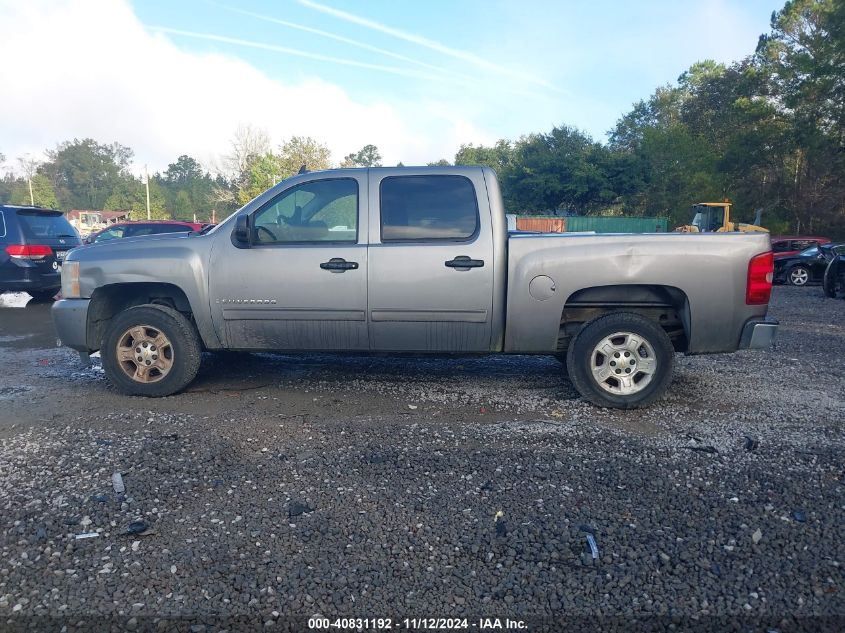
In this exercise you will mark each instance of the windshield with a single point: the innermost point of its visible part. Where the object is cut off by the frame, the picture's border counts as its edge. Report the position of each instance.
(810, 252)
(696, 221)
(45, 224)
(708, 218)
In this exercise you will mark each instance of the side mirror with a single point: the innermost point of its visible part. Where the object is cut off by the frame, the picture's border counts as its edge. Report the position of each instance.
(241, 232)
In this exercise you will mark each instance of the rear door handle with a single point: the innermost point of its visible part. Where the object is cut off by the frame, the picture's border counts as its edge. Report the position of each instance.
(338, 265)
(462, 262)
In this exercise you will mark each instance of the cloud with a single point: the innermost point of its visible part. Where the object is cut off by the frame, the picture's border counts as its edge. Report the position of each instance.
(425, 42)
(350, 41)
(97, 72)
(292, 51)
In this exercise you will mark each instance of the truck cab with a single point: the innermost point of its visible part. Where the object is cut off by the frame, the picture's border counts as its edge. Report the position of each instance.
(372, 259)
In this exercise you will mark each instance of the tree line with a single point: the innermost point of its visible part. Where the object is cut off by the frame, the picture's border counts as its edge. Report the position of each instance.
(85, 174)
(768, 132)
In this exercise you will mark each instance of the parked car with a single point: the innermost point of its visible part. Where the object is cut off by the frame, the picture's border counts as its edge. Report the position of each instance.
(834, 277)
(425, 265)
(33, 244)
(789, 245)
(139, 228)
(808, 266)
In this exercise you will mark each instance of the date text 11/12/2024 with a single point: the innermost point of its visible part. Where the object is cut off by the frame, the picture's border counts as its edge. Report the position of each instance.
(416, 624)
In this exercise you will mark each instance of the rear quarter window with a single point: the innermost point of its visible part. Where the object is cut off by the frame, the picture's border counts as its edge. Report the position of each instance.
(2, 225)
(137, 230)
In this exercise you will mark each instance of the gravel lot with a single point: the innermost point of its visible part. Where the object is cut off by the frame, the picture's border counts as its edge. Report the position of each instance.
(369, 487)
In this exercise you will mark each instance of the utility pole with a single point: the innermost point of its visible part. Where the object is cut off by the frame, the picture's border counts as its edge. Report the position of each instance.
(147, 180)
(30, 166)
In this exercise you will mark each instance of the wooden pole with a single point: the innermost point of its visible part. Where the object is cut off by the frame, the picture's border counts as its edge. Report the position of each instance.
(147, 180)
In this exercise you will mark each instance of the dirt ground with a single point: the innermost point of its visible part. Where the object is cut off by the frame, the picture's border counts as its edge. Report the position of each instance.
(279, 487)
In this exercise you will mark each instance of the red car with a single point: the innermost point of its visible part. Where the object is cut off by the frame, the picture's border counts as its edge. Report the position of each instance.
(144, 227)
(789, 245)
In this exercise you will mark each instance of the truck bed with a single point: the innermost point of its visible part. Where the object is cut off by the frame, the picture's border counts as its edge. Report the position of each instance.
(709, 270)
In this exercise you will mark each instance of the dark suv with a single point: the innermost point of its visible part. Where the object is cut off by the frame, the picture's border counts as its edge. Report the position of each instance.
(33, 244)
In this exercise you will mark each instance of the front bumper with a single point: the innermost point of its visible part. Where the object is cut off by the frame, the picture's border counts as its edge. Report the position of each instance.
(758, 333)
(70, 317)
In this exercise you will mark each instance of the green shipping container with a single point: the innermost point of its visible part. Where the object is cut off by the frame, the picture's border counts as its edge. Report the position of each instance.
(602, 224)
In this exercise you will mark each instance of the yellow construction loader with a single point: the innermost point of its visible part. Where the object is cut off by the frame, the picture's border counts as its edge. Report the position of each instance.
(710, 217)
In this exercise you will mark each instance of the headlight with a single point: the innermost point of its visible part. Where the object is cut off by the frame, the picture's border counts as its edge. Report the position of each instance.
(70, 280)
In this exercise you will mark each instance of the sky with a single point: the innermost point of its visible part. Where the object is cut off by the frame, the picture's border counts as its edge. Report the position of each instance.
(415, 78)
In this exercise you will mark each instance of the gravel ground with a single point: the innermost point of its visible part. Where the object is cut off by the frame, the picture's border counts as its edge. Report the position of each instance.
(370, 486)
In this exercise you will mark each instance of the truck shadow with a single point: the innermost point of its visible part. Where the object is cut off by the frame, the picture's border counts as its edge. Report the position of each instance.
(500, 378)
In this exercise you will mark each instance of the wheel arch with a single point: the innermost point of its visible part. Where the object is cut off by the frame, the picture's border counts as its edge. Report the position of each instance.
(667, 305)
(109, 300)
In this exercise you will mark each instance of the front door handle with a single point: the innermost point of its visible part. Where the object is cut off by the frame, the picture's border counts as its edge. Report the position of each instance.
(338, 265)
(462, 262)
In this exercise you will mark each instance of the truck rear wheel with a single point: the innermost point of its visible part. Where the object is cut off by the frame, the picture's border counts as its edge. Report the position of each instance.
(621, 360)
(151, 350)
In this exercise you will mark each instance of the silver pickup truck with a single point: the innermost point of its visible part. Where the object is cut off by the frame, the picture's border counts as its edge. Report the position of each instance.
(413, 260)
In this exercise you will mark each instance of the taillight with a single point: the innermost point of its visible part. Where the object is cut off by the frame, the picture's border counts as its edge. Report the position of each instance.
(29, 251)
(758, 287)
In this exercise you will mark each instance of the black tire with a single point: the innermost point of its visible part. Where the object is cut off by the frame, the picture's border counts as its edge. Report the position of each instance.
(799, 272)
(580, 360)
(186, 350)
(43, 296)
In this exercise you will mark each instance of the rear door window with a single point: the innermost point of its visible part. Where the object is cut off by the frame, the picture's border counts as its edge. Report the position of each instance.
(428, 208)
(171, 228)
(137, 230)
(45, 224)
(782, 246)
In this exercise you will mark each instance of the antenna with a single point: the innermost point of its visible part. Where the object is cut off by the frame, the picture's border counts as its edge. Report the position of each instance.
(303, 169)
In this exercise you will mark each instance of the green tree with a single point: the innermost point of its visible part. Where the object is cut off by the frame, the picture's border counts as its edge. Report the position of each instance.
(299, 151)
(262, 172)
(499, 157)
(188, 189)
(367, 156)
(563, 169)
(804, 59)
(42, 192)
(85, 173)
(130, 195)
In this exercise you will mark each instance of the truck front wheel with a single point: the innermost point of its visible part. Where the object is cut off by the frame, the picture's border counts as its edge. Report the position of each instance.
(150, 350)
(621, 360)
